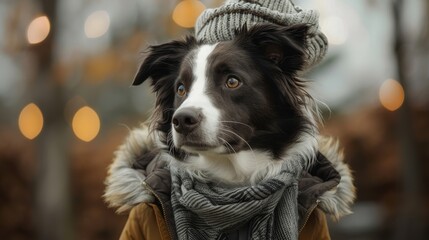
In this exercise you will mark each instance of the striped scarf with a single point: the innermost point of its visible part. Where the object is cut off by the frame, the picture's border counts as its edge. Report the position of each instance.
(209, 211)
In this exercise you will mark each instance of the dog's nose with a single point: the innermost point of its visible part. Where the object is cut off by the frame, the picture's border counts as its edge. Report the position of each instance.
(186, 120)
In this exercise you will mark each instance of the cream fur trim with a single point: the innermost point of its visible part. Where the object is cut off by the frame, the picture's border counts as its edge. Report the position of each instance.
(337, 202)
(124, 184)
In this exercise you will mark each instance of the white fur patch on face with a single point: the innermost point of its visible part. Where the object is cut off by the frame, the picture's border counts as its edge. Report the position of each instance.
(198, 98)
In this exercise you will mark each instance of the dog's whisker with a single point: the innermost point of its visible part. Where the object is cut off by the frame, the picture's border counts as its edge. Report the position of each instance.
(228, 145)
(226, 142)
(169, 142)
(238, 123)
(248, 145)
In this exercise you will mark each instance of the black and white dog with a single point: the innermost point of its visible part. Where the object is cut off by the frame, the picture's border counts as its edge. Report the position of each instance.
(233, 111)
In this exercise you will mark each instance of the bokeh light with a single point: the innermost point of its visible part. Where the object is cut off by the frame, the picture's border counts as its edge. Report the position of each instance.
(391, 94)
(86, 124)
(334, 29)
(97, 24)
(186, 13)
(30, 121)
(38, 30)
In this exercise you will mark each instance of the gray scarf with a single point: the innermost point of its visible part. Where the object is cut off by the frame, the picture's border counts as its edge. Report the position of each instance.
(209, 211)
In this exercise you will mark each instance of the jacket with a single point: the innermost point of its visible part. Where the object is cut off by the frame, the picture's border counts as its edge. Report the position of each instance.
(139, 182)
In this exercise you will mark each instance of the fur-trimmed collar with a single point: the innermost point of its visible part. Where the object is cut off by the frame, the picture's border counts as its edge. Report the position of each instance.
(125, 186)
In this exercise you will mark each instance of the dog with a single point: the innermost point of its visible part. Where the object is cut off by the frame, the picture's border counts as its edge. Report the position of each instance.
(234, 115)
(233, 111)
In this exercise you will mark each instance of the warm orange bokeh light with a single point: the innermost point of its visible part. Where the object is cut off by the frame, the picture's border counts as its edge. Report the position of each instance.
(38, 30)
(97, 24)
(186, 12)
(391, 95)
(86, 124)
(30, 121)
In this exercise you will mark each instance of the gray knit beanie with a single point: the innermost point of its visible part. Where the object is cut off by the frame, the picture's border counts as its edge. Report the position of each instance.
(219, 24)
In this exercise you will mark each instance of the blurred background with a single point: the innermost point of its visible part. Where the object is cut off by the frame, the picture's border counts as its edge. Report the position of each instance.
(66, 103)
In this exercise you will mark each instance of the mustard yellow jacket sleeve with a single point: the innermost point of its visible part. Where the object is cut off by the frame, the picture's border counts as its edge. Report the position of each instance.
(145, 222)
(316, 227)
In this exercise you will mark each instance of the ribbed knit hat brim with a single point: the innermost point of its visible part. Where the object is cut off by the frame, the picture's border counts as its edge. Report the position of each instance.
(219, 24)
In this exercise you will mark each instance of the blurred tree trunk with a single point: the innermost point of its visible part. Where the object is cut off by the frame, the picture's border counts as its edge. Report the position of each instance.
(410, 224)
(53, 212)
(423, 50)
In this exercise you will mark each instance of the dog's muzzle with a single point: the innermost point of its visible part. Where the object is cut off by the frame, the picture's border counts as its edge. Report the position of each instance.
(191, 131)
(187, 120)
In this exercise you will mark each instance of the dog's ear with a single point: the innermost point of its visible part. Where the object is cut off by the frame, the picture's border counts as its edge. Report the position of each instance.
(163, 60)
(282, 45)
(162, 65)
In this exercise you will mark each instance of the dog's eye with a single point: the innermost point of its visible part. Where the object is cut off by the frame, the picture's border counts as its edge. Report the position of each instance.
(181, 90)
(232, 82)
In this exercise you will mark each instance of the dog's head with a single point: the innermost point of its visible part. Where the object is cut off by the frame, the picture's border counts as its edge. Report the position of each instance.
(231, 96)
